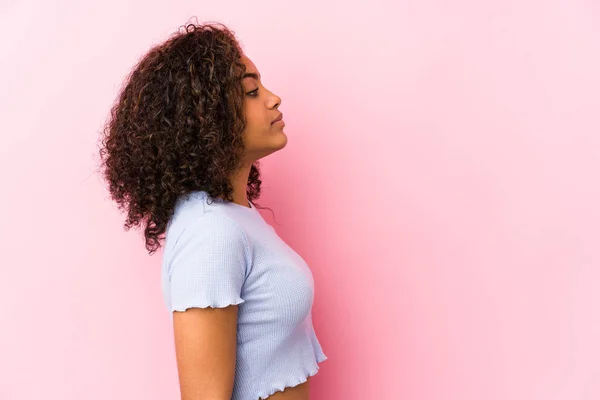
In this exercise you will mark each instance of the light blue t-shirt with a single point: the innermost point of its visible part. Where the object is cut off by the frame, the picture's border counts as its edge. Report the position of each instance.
(224, 253)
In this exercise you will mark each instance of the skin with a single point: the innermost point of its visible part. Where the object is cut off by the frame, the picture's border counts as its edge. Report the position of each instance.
(261, 138)
(205, 338)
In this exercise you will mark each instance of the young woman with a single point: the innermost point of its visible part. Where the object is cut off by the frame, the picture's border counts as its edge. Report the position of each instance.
(180, 155)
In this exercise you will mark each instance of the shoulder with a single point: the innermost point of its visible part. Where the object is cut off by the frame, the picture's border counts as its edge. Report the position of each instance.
(210, 228)
(210, 245)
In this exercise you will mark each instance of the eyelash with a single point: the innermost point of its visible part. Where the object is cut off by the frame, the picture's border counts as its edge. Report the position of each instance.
(250, 93)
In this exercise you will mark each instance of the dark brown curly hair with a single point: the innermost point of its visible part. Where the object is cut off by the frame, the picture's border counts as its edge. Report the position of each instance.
(176, 127)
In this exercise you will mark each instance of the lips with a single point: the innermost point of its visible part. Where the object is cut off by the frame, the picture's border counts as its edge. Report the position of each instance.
(279, 118)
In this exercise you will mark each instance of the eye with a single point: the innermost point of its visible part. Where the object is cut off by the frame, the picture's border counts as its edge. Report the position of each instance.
(252, 93)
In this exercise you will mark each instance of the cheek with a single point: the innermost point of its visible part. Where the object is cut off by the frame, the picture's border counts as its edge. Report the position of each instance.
(252, 125)
(255, 118)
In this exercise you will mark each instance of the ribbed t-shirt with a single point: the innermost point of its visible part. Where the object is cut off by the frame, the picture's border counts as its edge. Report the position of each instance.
(223, 253)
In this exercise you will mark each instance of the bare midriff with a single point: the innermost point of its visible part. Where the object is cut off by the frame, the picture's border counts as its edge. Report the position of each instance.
(299, 392)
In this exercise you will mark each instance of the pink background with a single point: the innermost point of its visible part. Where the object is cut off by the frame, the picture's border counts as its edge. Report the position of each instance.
(441, 178)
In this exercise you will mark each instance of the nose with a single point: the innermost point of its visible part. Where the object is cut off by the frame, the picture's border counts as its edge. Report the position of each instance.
(276, 101)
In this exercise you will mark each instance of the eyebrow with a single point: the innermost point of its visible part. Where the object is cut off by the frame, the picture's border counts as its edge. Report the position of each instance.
(251, 75)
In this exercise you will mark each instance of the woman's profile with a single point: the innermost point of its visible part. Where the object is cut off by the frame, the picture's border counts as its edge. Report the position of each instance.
(180, 156)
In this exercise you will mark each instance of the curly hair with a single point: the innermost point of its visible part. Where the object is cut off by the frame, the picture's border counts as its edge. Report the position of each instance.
(176, 127)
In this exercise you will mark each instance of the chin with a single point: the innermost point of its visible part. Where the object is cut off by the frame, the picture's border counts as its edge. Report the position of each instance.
(277, 143)
(282, 139)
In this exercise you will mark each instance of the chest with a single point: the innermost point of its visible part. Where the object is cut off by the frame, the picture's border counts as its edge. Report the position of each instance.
(279, 287)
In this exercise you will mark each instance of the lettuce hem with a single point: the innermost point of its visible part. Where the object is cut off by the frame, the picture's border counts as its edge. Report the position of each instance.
(206, 304)
(291, 382)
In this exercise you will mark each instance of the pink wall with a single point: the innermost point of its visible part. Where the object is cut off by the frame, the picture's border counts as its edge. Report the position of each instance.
(442, 179)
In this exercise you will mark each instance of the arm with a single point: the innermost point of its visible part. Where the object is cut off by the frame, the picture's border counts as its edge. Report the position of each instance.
(207, 273)
(205, 347)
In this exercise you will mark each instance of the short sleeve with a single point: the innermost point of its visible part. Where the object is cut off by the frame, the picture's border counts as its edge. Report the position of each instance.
(208, 265)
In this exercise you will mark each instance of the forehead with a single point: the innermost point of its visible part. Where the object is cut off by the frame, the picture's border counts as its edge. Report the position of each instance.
(250, 67)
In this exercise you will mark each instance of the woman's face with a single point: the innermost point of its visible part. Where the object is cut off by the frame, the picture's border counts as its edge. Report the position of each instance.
(262, 136)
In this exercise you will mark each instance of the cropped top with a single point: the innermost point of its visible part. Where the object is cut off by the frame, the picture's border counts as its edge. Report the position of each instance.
(223, 253)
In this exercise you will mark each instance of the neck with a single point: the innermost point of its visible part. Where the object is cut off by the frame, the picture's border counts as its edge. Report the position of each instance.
(239, 181)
